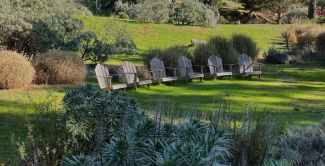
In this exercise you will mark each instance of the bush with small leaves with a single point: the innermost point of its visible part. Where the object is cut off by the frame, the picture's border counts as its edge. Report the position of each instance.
(123, 15)
(151, 11)
(301, 145)
(224, 49)
(245, 44)
(59, 68)
(168, 55)
(15, 71)
(125, 46)
(119, 7)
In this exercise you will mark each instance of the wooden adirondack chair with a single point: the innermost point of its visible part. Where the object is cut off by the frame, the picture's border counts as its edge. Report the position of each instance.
(216, 67)
(186, 69)
(105, 79)
(159, 72)
(132, 77)
(246, 66)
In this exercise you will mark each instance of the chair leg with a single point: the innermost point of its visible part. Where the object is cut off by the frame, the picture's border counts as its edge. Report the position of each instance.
(149, 85)
(230, 77)
(259, 76)
(201, 79)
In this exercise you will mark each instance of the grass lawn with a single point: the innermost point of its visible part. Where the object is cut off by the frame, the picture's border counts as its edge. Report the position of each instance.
(294, 92)
(148, 36)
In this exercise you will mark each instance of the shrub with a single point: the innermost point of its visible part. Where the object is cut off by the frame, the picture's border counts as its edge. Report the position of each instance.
(194, 13)
(169, 55)
(145, 140)
(121, 7)
(151, 11)
(225, 49)
(59, 68)
(125, 46)
(93, 116)
(320, 42)
(24, 30)
(321, 19)
(15, 71)
(45, 143)
(305, 34)
(123, 15)
(295, 16)
(245, 44)
(301, 145)
(202, 52)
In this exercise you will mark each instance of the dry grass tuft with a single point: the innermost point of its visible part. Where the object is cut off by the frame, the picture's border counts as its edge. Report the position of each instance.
(303, 34)
(320, 42)
(59, 68)
(15, 71)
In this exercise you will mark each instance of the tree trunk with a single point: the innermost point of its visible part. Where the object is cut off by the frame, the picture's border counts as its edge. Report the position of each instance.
(312, 9)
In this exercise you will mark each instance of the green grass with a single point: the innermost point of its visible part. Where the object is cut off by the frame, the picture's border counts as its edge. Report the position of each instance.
(295, 92)
(148, 36)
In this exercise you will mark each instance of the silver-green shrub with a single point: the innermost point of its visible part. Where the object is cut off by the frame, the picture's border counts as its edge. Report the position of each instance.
(168, 55)
(155, 11)
(245, 44)
(224, 49)
(301, 145)
(93, 116)
(193, 13)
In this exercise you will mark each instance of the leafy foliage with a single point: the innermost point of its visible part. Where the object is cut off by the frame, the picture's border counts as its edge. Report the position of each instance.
(92, 116)
(45, 143)
(301, 145)
(151, 11)
(126, 47)
(191, 12)
(169, 55)
(116, 133)
(93, 49)
(245, 44)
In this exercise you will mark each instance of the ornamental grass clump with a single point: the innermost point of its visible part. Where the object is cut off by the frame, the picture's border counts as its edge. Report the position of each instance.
(59, 68)
(15, 71)
(320, 42)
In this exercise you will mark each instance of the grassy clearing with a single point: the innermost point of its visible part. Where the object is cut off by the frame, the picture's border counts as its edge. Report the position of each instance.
(148, 36)
(292, 92)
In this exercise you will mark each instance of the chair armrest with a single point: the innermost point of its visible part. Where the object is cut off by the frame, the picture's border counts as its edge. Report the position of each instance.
(103, 76)
(128, 73)
(170, 68)
(199, 65)
(155, 70)
(229, 64)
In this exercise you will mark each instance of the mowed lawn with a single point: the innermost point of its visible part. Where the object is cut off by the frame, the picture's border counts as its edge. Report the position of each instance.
(294, 92)
(147, 36)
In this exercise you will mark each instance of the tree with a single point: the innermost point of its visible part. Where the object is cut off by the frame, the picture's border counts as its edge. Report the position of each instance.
(277, 8)
(312, 9)
(280, 8)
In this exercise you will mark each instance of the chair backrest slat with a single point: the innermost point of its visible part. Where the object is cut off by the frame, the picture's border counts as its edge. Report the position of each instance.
(102, 71)
(185, 62)
(214, 60)
(247, 61)
(157, 65)
(129, 68)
